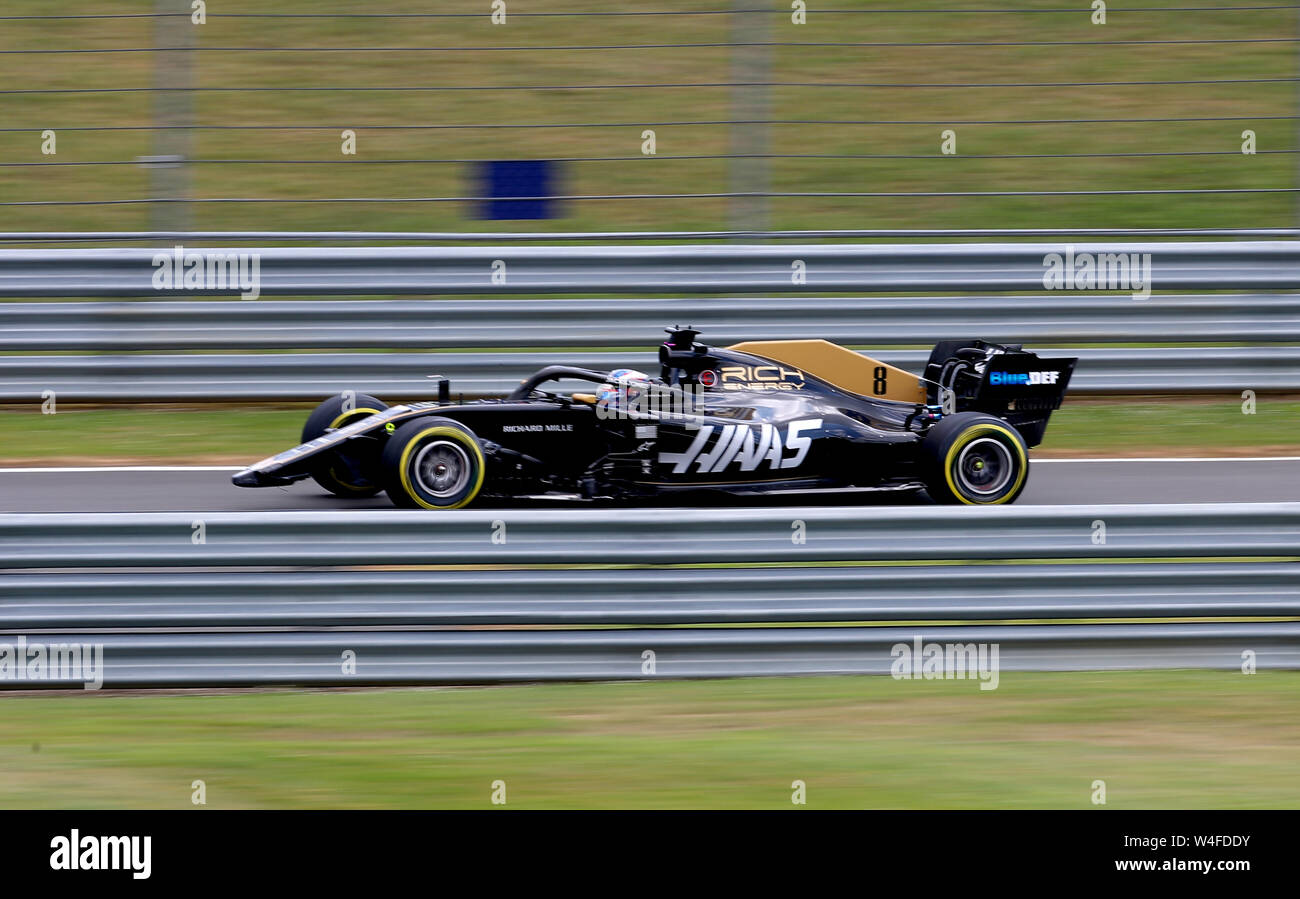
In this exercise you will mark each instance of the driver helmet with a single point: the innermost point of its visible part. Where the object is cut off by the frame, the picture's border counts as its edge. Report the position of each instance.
(623, 388)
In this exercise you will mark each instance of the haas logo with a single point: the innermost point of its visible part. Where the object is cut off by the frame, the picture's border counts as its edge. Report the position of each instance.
(746, 445)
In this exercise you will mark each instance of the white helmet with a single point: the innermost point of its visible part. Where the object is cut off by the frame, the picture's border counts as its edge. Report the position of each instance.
(623, 388)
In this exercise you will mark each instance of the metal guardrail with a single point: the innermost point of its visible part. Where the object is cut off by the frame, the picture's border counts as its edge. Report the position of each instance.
(44, 603)
(199, 625)
(125, 328)
(633, 270)
(458, 657)
(647, 536)
(628, 322)
(404, 376)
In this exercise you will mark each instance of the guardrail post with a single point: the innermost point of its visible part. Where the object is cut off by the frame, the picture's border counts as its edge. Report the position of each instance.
(173, 114)
(751, 66)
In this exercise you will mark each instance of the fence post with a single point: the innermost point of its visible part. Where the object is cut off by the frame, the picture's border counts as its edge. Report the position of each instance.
(750, 105)
(173, 113)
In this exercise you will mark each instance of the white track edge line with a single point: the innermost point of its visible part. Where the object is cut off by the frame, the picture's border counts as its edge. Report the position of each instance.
(92, 469)
(148, 468)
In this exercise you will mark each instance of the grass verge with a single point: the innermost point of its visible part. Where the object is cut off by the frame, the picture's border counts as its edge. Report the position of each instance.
(182, 435)
(1174, 739)
(1035, 99)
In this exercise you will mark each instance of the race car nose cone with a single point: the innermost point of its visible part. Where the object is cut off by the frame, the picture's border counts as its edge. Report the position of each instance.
(245, 478)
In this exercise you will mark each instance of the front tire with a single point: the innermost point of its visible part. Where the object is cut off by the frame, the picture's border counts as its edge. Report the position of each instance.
(974, 459)
(433, 463)
(345, 472)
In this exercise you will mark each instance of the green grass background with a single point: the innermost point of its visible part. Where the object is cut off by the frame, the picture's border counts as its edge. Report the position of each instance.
(1175, 739)
(883, 68)
(186, 435)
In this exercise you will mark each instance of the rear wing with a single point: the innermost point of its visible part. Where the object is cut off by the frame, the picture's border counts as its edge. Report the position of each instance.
(1003, 380)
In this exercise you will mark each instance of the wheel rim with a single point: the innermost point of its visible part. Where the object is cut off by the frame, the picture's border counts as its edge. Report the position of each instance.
(985, 467)
(442, 468)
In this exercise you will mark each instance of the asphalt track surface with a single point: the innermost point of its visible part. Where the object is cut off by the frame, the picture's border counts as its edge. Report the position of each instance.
(1051, 481)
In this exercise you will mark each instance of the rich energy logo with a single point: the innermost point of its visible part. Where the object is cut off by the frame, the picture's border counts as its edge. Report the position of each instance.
(1022, 378)
(745, 444)
(760, 377)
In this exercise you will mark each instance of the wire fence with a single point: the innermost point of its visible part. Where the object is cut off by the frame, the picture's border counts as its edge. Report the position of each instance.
(737, 115)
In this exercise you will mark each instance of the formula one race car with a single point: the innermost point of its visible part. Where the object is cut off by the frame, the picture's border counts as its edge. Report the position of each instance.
(759, 417)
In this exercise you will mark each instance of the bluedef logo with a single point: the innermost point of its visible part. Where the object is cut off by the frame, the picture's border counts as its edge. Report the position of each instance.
(1022, 378)
(746, 445)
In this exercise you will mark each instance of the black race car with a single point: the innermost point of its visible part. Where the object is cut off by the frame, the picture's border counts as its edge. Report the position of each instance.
(759, 417)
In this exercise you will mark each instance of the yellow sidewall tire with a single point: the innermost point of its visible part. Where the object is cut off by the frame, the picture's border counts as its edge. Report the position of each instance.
(942, 447)
(332, 472)
(346, 417)
(974, 433)
(398, 457)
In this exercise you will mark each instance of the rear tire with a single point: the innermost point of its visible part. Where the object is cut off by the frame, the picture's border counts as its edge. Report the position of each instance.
(352, 474)
(974, 459)
(433, 463)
